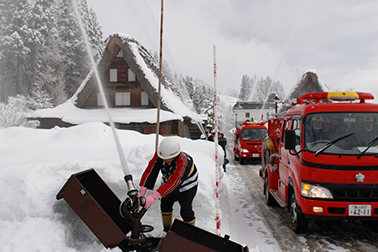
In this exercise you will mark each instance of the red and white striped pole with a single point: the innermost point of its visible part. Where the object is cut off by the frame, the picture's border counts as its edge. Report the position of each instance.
(217, 172)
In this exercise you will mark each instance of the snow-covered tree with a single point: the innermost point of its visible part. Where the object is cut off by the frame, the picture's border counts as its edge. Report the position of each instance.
(257, 90)
(266, 86)
(13, 113)
(39, 99)
(37, 20)
(78, 63)
(41, 44)
(245, 88)
(13, 48)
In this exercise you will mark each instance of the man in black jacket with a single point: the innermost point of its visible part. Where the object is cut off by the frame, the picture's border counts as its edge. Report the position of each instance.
(222, 141)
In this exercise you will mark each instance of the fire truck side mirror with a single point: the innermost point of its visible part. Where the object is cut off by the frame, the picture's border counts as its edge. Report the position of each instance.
(290, 139)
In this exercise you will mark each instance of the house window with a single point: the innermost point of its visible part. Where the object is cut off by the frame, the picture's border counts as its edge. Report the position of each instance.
(144, 98)
(113, 75)
(100, 101)
(246, 115)
(122, 98)
(131, 75)
(120, 54)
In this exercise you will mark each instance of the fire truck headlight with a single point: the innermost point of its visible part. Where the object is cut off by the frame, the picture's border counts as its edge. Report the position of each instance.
(244, 151)
(315, 191)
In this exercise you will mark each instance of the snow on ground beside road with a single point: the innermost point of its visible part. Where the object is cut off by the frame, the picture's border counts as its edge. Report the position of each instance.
(240, 216)
(36, 163)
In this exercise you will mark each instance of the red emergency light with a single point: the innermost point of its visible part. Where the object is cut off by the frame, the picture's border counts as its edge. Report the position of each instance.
(338, 96)
(247, 122)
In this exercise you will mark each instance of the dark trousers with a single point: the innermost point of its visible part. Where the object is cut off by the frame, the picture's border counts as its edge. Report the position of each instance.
(185, 200)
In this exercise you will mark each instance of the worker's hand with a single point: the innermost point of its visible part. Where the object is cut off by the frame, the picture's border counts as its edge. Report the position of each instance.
(150, 199)
(142, 191)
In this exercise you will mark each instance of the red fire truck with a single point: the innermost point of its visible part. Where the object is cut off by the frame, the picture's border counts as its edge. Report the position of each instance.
(249, 137)
(320, 160)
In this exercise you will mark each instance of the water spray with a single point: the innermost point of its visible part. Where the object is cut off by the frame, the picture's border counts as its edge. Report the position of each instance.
(132, 191)
(298, 16)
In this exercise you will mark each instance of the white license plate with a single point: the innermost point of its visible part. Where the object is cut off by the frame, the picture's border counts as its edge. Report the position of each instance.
(255, 155)
(359, 210)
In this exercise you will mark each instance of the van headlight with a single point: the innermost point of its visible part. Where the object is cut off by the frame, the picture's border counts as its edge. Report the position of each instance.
(244, 151)
(315, 191)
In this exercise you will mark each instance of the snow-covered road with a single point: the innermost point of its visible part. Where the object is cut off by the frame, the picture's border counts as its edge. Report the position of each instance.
(262, 228)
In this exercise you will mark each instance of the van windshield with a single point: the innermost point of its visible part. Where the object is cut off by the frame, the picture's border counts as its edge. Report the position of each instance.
(254, 134)
(323, 128)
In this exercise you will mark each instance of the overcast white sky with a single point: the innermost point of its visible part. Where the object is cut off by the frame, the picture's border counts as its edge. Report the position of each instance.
(280, 39)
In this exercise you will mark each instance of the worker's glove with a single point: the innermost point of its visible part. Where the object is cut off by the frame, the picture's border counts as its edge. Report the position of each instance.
(142, 191)
(150, 199)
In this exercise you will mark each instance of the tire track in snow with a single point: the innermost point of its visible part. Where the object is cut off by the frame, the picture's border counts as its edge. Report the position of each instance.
(275, 219)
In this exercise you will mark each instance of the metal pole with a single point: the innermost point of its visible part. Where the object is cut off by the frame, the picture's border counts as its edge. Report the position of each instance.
(217, 172)
(160, 71)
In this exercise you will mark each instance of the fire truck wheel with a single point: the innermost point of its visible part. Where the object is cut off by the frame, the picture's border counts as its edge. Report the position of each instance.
(241, 160)
(299, 223)
(269, 200)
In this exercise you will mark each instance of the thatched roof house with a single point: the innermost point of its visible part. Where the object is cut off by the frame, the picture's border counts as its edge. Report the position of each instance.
(129, 76)
(309, 83)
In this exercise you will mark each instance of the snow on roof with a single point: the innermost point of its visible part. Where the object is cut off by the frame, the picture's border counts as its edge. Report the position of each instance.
(168, 98)
(322, 86)
(69, 113)
(320, 82)
(73, 99)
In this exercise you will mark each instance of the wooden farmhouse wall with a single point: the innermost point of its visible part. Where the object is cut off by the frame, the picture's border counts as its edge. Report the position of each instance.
(121, 87)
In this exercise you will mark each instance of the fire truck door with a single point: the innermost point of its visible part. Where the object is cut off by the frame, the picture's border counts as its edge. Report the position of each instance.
(284, 167)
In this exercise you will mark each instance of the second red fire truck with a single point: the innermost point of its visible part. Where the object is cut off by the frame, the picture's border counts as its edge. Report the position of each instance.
(249, 137)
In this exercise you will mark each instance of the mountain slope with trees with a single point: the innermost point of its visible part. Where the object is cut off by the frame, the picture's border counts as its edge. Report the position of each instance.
(41, 47)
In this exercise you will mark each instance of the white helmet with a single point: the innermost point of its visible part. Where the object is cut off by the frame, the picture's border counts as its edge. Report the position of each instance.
(169, 148)
(317, 119)
(368, 123)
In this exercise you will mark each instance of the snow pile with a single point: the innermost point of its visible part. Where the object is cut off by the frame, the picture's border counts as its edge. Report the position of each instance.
(36, 163)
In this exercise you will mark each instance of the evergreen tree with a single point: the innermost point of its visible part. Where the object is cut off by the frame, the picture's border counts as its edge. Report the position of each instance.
(245, 88)
(37, 20)
(7, 74)
(266, 86)
(55, 66)
(13, 48)
(41, 46)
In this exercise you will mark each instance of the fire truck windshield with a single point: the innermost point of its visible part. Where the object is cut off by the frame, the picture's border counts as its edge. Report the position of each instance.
(254, 134)
(342, 133)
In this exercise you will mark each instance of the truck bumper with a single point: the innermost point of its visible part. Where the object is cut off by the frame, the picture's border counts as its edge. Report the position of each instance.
(250, 155)
(318, 209)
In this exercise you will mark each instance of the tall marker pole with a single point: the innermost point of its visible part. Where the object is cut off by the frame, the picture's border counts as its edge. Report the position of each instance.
(160, 70)
(217, 178)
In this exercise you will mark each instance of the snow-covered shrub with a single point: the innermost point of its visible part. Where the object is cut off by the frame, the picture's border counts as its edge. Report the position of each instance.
(39, 99)
(13, 113)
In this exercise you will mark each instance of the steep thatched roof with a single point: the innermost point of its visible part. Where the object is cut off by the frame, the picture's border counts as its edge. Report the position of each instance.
(310, 83)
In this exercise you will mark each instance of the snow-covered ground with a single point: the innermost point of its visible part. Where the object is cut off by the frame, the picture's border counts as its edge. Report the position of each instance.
(36, 163)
